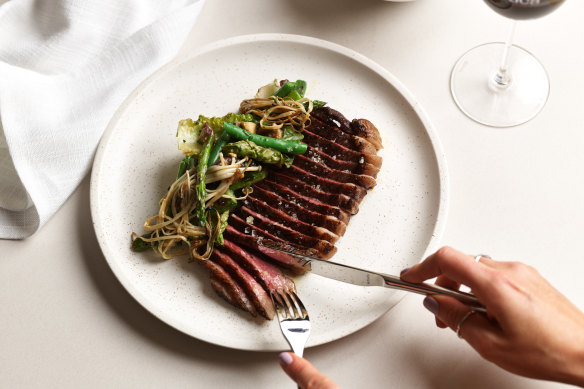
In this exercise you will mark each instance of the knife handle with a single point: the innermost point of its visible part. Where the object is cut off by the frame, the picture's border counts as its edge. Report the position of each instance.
(430, 289)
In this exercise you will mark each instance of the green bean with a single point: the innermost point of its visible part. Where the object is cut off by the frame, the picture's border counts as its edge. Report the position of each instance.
(249, 179)
(200, 188)
(285, 89)
(287, 147)
(214, 155)
(300, 88)
(294, 95)
(294, 90)
(185, 165)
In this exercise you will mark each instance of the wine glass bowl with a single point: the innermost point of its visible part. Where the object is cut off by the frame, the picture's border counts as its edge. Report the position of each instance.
(523, 9)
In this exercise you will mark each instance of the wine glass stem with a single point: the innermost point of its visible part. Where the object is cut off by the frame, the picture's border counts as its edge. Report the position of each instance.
(502, 78)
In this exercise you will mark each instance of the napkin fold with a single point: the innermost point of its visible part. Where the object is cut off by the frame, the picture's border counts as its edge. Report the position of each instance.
(65, 67)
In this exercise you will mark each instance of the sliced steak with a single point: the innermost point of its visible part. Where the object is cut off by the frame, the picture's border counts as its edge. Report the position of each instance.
(360, 167)
(358, 127)
(222, 291)
(332, 118)
(264, 238)
(228, 288)
(365, 129)
(264, 225)
(307, 202)
(274, 200)
(359, 180)
(256, 294)
(336, 151)
(293, 222)
(275, 256)
(340, 137)
(321, 181)
(342, 201)
(267, 274)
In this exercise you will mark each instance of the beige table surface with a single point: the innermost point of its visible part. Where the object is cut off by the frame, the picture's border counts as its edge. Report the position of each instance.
(516, 194)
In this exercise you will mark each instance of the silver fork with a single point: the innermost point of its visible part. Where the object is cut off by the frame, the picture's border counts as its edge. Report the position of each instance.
(293, 319)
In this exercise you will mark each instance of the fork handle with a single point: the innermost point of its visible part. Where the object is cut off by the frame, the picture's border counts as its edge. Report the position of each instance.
(430, 289)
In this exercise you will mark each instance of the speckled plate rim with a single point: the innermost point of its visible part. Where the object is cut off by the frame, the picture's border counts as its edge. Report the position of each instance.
(306, 40)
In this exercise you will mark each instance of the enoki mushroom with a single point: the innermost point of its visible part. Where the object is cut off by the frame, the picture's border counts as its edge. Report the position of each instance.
(171, 231)
(276, 112)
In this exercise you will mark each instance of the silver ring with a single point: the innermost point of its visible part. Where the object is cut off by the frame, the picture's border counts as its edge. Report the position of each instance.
(478, 257)
(466, 316)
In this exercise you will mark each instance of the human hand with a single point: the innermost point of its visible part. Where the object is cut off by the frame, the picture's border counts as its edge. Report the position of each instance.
(304, 374)
(531, 329)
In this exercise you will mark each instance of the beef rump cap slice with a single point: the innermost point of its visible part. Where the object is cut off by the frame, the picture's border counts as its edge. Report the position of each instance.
(350, 141)
(256, 244)
(358, 127)
(336, 151)
(359, 180)
(309, 203)
(228, 288)
(360, 167)
(265, 226)
(274, 200)
(291, 221)
(318, 177)
(255, 292)
(270, 276)
(339, 200)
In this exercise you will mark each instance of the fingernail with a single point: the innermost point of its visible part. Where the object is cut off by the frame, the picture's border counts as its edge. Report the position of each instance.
(286, 359)
(431, 305)
(404, 270)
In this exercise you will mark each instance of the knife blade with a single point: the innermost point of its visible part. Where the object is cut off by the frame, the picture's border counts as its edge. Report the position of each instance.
(361, 277)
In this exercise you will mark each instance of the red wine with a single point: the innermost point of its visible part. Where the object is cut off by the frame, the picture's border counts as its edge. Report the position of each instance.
(524, 9)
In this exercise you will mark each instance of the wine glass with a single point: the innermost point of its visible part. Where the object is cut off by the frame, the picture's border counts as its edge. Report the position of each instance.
(500, 84)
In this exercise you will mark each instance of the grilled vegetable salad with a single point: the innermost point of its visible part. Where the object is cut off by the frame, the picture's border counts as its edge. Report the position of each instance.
(223, 157)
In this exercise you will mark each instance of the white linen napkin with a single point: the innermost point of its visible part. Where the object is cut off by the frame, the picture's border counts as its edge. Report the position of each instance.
(65, 67)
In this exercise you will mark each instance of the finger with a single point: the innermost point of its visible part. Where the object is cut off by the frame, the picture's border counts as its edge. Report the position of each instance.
(477, 329)
(304, 373)
(440, 324)
(431, 305)
(500, 265)
(487, 261)
(446, 283)
(454, 265)
(493, 265)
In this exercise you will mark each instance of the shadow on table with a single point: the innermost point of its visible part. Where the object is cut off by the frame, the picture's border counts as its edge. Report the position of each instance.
(404, 359)
(139, 319)
(445, 371)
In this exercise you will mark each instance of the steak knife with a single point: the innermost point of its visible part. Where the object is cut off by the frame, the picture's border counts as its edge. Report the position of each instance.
(356, 276)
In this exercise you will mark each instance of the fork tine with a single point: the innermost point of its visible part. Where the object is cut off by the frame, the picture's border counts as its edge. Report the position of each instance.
(291, 305)
(276, 299)
(285, 306)
(279, 305)
(303, 313)
(295, 301)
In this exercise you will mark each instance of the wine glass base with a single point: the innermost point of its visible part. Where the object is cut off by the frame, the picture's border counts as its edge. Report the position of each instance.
(483, 100)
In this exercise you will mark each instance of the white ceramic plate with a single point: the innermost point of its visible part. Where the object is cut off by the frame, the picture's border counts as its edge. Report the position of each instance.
(398, 223)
